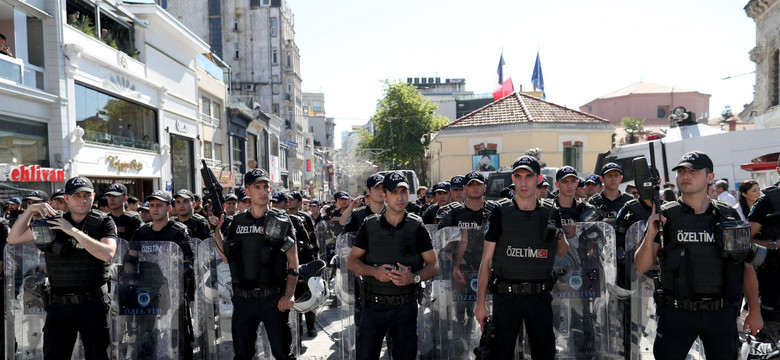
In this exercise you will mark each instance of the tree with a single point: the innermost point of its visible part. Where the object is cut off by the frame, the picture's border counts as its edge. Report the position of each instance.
(632, 126)
(403, 115)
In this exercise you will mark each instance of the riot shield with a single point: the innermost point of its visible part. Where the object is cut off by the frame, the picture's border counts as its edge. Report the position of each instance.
(644, 321)
(147, 301)
(432, 229)
(346, 286)
(25, 275)
(584, 311)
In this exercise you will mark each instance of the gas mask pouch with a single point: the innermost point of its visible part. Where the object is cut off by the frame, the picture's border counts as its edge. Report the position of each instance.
(276, 228)
(733, 239)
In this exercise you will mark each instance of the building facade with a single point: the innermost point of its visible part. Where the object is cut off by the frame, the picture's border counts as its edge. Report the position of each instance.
(765, 109)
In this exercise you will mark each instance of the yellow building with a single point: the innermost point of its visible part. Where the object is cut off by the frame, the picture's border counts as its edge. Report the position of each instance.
(496, 134)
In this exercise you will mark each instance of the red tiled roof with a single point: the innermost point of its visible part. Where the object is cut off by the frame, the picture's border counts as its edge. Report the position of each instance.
(521, 108)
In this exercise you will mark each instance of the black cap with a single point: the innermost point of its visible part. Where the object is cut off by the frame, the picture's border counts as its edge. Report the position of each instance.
(695, 160)
(15, 200)
(593, 178)
(279, 197)
(393, 180)
(374, 180)
(116, 189)
(342, 195)
(241, 194)
(184, 193)
(296, 195)
(506, 193)
(580, 182)
(158, 195)
(255, 176)
(58, 194)
(314, 203)
(527, 162)
(196, 197)
(475, 176)
(103, 201)
(457, 182)
(37, 195)
(231, 197)
(543, 182)
(442, 186)
(429, 192)
(565, 172)
(144, 206)
(611, 167)
(78, 184)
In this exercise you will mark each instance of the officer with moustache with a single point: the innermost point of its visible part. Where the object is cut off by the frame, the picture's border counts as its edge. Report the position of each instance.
(163, 228)
(14, 210)
(260, 249)
(394, 253)
(701, 285)
(611, 199)
(517, 264)
(77, 262)
(127, 222)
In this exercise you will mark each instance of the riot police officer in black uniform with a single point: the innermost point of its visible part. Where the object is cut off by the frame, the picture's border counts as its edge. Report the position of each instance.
(521, 243)
(77, 262)
(394, 253)
(355, 214)
(764, 219)
(611, 199)
(5, 229)
(127, 222)
(162, 228)
(428, 201)
(701, 282)
(260, 249)
(441, 194)
(14, 210)
(198, 225)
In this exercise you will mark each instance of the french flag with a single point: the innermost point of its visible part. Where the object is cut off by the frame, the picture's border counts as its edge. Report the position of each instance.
(502, 88)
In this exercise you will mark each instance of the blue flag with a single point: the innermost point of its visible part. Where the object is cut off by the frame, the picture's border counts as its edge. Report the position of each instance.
(537, 79)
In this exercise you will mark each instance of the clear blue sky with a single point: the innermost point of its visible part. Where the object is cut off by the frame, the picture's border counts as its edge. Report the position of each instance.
(588, 48)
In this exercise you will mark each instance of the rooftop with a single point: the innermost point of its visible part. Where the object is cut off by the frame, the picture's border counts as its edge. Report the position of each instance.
(644, 88)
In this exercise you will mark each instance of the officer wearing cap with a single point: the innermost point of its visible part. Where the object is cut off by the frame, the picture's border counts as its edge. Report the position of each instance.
(260, 249)
(506, 193)
(701, 286)
(457, 196)
(394, 253)
(231, 204)
(355, 215)
(765, 229)
(569, 207)
(36, 197)
(428, 200)
(543, 189)
(163, 228)
(592, 185)
(58, 200)
(521, 243)
(77, 263)
(133, 203)
(421, 191)
(580, 194)
(307, 250)
(198, 225)
(611, 199)
(314, 209)
(441, 193)
(244, 202)
(335, 213)
(127, 222)
(14, 210)
(143, 211)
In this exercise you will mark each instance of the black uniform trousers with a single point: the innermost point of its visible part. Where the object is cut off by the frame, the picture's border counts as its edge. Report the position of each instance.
(678, 329)
(399, 322)
(247, 316)
(65, 322)
(510, 311)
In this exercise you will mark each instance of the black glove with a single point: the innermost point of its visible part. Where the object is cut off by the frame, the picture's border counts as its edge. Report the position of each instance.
(189, 280)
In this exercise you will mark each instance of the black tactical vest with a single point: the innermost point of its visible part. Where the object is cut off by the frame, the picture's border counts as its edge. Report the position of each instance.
(127, 224)
(198, 226)
(692, 265)
(609, 209)
(254, 263)
(79, 269)
(173, 232)
(772, 229)
(525, 250)
(391, 246)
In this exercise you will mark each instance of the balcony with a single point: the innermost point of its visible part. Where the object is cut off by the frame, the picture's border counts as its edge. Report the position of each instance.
(210, 120)
(212, 163)
(17, 71)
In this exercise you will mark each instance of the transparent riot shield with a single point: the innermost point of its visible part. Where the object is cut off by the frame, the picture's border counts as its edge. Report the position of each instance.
(148, 300)
(644, 321)
(25, 275)
(584, 311)
(346, 286)
(432, 229)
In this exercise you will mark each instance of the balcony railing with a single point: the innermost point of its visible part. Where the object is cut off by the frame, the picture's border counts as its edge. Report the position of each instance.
(210, 120)
(15, 70)
(94, 137)
(213, 163)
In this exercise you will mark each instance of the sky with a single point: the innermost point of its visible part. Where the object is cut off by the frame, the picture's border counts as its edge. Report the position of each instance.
(587, 48)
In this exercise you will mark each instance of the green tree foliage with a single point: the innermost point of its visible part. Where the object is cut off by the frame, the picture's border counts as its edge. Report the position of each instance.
(403, 115)
(632, 126)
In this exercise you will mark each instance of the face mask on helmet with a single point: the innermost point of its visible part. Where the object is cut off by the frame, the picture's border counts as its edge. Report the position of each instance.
(313, 298)
(735, 244)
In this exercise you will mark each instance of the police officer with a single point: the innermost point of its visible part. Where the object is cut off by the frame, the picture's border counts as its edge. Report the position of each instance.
(394, 253)
(457, 193)
(569, 207)
(428, 201)
(441, 193)
(307, 252)
(592, 185)
(260, 249)
(581, 194)
(163, 228)
(5, 228)
(314, 209)
(611, 200)
(143, 211)
(765, 229)
(231, 204)
(77, 263)
(244, 202)
(700, 290)
(127, 222)
(14, 210)
(58, 200)
(35, 197)
(523, 234)
(197, 224)
(355, 214)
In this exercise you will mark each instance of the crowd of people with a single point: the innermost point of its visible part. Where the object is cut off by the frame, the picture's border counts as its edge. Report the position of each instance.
(265, 236)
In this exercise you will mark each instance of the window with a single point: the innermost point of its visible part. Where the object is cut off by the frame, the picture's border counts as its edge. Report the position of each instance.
(275, 108)
(114, 30)
(254, 3)
(236, 50)
(235, 24)
(205, 106)
(274, 148)
(775, 79)
(274, 26)
(237, 149)
(218, 151)
(215, 33)
(251, 147)
(289, 59)
(164, 4)
(274, 57)
(23, 142)
(111, 121)
(662, 111)
(181, 163)
(262, 150)
(208, 152)
(317, 106)
(572, 154)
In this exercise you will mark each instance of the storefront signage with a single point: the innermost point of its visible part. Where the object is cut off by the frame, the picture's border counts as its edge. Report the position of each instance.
(116, 163)
(32, 173)
(181, 126)
(226, 178)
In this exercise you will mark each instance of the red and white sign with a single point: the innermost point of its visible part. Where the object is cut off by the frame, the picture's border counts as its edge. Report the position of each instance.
(32, 173)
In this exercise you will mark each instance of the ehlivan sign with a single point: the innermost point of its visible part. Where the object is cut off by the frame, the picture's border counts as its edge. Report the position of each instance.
(30, 173)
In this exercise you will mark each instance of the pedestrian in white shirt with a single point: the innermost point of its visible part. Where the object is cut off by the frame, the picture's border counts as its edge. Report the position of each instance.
(722, 188)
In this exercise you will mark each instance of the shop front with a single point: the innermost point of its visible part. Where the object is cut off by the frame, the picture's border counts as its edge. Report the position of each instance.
(24, 159)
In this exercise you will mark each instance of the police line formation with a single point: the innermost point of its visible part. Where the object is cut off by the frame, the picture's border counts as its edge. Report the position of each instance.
(586, 273)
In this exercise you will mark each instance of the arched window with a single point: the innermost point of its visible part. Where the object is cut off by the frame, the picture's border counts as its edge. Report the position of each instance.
(774, 90)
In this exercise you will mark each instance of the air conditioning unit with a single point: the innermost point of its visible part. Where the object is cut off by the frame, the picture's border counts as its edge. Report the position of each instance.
(237, 85)
(249, 87)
